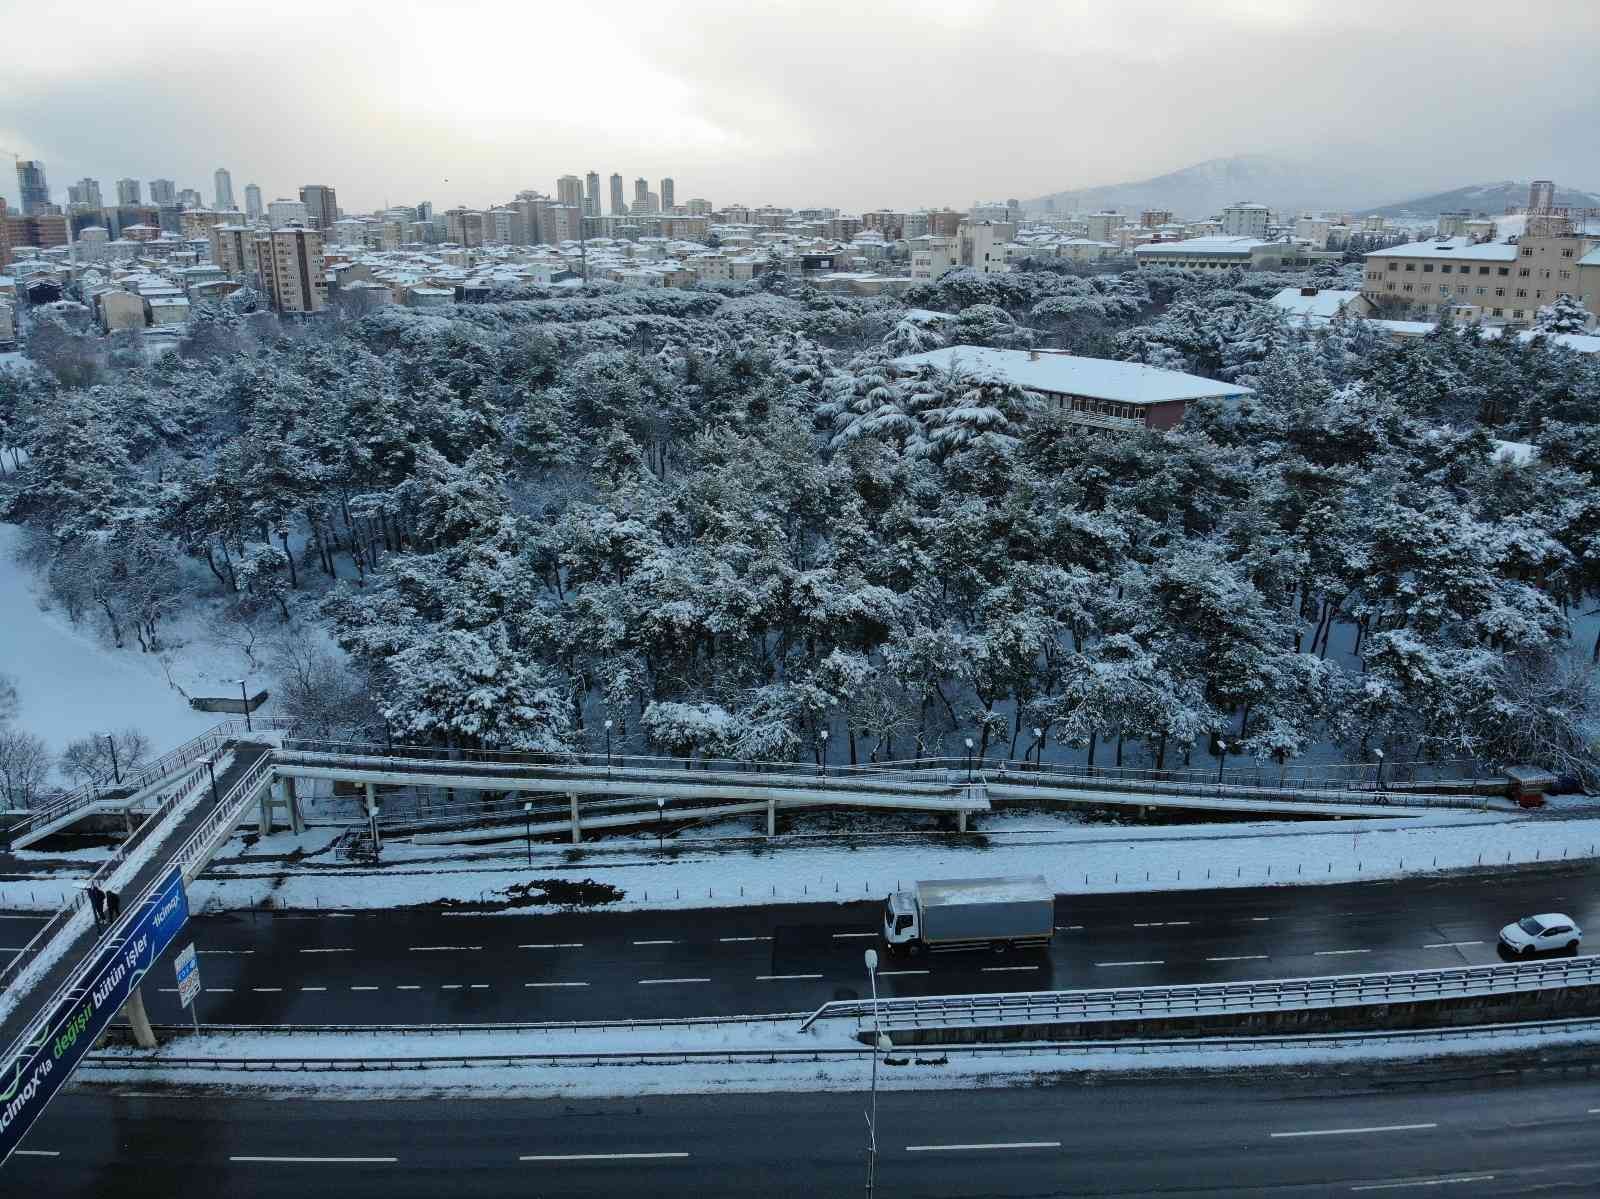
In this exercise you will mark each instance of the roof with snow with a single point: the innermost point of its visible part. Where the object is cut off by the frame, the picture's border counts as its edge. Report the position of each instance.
(1592, 258)
(1451, 247)
(1325, 303)
(1202, 245)
(1067, 374)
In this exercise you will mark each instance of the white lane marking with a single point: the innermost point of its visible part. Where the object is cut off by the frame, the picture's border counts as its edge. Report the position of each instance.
(266, 990)
(1163, 924)
(1067, 928)
(37, 1152)
(347, 949)
(446, 987)
(1243, 957)
(655, 942)
(167, 990)
(363, 988)
(843, 936)
(596, 1157)
(317, 1161)
(1340, 1132)
(1338, 953)
(1425, 1182)
(656, 982)
(555, 945)
(726, 940)
(408, 987)
(555, 984)
(1594, 1111)
(990, 1145)
(772, 978)
(892, 973)
(228, 952)
(445, 948)
(219, 990)
(313, 988)
(1261, 919)
(1006, 969)
(478, 987)
(1450, 945)
(1150, 962)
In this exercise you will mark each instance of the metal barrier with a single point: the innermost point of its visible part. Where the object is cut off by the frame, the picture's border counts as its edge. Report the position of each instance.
(1212, 999)
(901, 1055)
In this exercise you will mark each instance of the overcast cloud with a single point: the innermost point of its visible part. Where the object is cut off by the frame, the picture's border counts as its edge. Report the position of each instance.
(853, 105)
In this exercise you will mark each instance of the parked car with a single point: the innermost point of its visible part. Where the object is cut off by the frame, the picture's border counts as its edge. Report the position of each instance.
(1541, 934)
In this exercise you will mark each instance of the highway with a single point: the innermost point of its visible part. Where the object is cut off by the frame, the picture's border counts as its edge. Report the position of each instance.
(1456, 1133)
(429, 966)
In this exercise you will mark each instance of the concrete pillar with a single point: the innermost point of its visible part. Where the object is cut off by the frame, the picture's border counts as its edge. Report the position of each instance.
(372, 815)
(270, 797)
(144, 1036)
(772, 816)
(297, 825)
(577, 826)
(961, 822)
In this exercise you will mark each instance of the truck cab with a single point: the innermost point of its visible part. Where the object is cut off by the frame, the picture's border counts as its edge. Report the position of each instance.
(901, 929)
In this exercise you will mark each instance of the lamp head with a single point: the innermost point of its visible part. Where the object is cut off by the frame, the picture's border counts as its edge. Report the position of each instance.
(872, 959)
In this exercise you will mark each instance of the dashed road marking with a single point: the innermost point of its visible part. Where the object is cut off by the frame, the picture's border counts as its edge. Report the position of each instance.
(555, 984)
(363, 988)
(892, 973)
(1338, 953)
(347, 949)
(656, 982)
(726, 940)
(773, 978)
(989, 1145)
(555, 945)
(313, 988)
(37, 1152)
(1243, 957)
(445, 948)
(1425, 1182)
(1451, 944)
(655, 942)
(408, 987)
(317, 1161)
(844, 936)
(597, 1157)
(266, 990)
(1006, 969)
(1149, 962)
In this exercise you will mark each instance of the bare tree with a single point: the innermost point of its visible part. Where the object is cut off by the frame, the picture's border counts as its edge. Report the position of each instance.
(24, 767)
(105, 757)
(238, 626)
(318, 690)
(9, 702)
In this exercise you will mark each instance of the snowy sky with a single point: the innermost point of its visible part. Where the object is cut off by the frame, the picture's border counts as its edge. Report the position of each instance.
(900, 103)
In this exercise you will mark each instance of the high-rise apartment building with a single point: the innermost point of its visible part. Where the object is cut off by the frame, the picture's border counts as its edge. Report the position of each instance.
(322, 206)
(190, 198)
(287, 212)
(569, 190)
(128, 192)
(233, 251)
(618, 206)
(5, 235)
(253, 207)
(85, 193)
(591, 194)
(1245, 220)
(1541, 195)
(698, 207)
(425, 210)
(224, 189)
(666, 195)
(641, 196)
(32, 188)
(290, 263)
(163, 193)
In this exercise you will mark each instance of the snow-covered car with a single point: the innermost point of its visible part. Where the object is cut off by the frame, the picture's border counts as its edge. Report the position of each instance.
(1541, 934)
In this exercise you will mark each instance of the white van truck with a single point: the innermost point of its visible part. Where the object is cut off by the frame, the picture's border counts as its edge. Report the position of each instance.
(973, 913)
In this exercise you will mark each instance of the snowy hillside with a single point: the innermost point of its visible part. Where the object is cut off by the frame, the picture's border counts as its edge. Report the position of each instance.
(1205, 188)
(1490, 198)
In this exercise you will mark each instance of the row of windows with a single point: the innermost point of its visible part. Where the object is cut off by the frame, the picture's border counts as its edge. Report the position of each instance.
(1446, 267)
(1462, 290)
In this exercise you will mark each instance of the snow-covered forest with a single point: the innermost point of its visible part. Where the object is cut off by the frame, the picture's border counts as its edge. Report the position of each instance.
(716, 519)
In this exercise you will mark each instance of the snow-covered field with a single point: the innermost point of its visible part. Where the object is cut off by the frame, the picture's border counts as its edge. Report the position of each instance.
(904, 1070)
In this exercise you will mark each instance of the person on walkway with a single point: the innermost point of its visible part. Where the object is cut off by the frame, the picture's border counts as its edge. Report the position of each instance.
(97, 902)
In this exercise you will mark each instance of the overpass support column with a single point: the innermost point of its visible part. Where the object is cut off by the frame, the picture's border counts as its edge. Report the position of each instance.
(577, 824)
(961, 822)
(772, 816)
(297, 823)
(138, 1020)
(372, 814)
(271, 797)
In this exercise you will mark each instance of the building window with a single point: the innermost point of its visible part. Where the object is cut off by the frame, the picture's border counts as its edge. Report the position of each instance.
(1483, 270)
(1446, 269)
(1482, 290)
(1409, 287)
(1504, 271)
(1394, 266)
(1523, 273)
(1527, 251)
(1499, 311)
(1500, 291)
(1567, 253)
(1427, 268)
(1522, 294)
(1444, 289)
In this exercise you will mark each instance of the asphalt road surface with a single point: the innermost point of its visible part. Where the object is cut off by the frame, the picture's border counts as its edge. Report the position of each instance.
(425, 966)
(1468, 1136)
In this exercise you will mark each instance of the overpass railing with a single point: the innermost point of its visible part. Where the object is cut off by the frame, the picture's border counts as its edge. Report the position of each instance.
(1212, 999)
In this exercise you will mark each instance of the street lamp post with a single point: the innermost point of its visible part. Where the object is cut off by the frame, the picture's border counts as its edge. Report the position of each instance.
(823, 735)
(244, 696)
(116, 772)
(661, 815)
(969, 759)
(527, 823)
(372, 824)
(212, 767)
(608, 745)
(877, 1045)
(1379, 754)
(1038, 748)
(1222, 757)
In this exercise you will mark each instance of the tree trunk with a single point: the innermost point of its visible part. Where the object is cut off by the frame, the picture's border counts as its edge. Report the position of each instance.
(294, 578)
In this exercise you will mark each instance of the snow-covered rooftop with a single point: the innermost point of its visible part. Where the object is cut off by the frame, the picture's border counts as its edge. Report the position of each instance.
(1324, 304)
(1203, 245)
(1067, 374)
(1451, 247)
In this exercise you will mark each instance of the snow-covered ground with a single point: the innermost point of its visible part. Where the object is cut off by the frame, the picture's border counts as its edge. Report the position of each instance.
(1075, 859)
(908, 1069)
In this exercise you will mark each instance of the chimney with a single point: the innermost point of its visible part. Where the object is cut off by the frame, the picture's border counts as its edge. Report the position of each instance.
(1033, 355)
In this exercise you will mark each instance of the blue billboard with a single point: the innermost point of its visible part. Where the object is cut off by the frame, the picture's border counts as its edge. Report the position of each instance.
(30, 1080)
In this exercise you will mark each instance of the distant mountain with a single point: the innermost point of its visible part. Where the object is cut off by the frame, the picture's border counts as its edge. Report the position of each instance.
(1490, 198)
(1206, 188)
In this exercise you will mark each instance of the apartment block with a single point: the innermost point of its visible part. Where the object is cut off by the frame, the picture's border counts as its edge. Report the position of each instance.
(290, 262)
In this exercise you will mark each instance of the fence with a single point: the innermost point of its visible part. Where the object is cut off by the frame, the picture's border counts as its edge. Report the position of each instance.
(1213, 999)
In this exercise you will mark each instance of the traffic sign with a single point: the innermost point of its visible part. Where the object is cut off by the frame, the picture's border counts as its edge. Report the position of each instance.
(188, 972)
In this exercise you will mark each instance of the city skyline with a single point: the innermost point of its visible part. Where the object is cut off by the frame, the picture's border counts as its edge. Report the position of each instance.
(745, 129)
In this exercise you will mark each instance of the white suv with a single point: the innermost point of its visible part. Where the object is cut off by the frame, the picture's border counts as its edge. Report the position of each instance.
(1541, 934)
